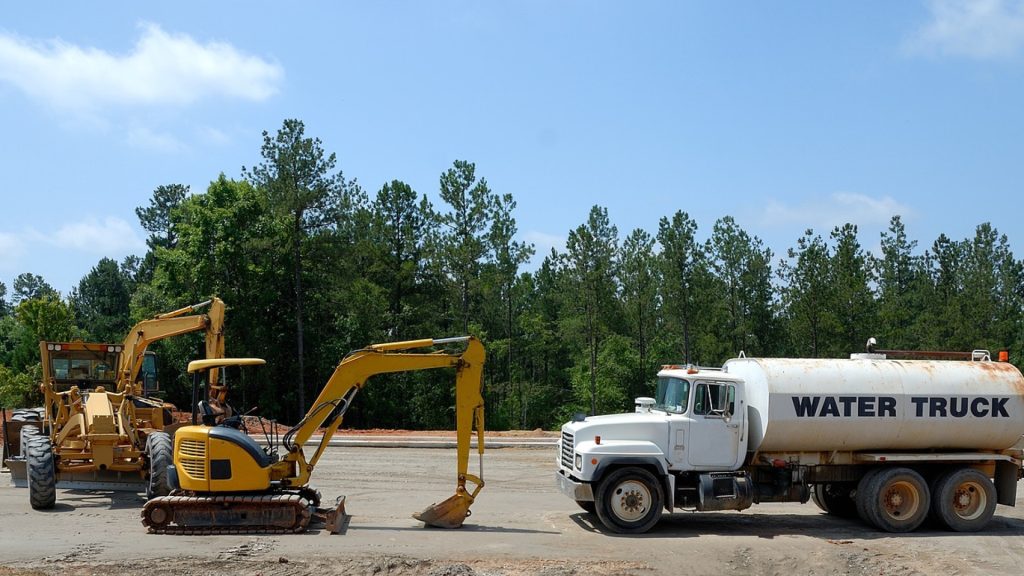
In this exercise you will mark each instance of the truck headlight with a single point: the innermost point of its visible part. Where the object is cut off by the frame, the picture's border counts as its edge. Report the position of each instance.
(579, 462)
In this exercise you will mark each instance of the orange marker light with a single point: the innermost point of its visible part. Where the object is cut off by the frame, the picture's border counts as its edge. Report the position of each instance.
(593, 461)
(597, 439)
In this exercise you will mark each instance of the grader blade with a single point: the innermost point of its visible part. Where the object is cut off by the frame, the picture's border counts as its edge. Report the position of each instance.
(448, 514)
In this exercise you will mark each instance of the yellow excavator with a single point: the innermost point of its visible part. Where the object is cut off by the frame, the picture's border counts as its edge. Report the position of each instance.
(225, 483)
(99, 429)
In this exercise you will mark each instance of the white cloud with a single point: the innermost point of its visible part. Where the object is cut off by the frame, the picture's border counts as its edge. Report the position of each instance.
(11, 250)
(161, 69)
(543, 243)
(981, 29)
(107, 237)
(825, 213)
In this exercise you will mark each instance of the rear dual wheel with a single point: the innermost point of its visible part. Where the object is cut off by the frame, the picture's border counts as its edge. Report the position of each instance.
(837, 498)
(964, 500)
(893, 499)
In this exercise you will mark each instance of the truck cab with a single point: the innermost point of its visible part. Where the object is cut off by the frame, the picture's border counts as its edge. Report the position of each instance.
(627, 467)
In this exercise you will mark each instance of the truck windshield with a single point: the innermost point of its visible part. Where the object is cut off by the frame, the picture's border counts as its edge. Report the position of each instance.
(672, 395)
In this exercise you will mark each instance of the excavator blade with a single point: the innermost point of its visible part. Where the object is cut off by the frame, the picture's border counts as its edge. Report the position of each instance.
(335, 518)
(448, 514)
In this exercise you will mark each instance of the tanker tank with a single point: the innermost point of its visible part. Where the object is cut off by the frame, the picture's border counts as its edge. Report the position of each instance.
(876, 404)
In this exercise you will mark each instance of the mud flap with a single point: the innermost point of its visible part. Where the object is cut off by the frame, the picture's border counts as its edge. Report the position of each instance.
(448, 514)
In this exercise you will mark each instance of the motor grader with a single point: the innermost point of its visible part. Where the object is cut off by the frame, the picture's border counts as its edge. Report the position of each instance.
(99, 430)
(223, 482)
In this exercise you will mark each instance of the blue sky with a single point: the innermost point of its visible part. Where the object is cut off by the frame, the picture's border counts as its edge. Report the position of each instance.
(785, 116)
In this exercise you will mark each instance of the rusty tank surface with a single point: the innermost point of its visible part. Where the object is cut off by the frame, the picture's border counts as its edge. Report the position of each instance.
(869, 402)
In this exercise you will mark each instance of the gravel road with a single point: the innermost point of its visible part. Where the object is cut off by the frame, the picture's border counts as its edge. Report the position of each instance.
(520, 526)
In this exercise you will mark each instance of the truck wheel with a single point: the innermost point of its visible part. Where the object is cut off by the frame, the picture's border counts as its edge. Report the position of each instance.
(862, 501)
(964, 500)
(629, 501)
(836, 498)
(816, 490)
(587, 505)
(896, 500)
(160, 456)
(42, 474)
(27, 433)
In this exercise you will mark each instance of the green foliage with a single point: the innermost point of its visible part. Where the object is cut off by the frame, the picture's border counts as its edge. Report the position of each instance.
(28, 286)
(311, 268)
(102, 302)
(46, 318)
(4, 307)
(20, 389)
(616, 367)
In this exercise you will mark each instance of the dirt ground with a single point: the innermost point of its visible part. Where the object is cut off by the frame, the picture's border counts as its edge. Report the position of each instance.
(520, 526)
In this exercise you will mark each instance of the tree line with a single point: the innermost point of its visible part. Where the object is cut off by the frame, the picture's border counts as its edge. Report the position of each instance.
(312, 267)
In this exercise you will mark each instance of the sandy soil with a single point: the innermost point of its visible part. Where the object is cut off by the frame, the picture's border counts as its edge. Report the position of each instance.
(520, 526)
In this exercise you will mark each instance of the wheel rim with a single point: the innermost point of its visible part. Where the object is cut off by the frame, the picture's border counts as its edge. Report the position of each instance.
(900, 500)
(630, 501)
(969, 500)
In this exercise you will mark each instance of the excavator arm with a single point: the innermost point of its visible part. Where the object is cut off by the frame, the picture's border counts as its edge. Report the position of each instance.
(252, 491)
(167, 325)
(351, 375)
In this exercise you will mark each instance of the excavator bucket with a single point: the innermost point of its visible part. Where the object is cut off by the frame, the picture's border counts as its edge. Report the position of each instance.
(448, 514)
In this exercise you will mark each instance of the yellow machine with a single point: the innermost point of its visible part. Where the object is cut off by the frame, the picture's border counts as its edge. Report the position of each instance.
(102, 432)
(225, 483)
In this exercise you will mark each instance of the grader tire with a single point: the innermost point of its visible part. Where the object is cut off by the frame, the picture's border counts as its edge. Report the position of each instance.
(160, 455)
(27, 434)
(42, 473)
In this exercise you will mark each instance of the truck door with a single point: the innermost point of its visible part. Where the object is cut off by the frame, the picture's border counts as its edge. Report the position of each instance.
(716, 427)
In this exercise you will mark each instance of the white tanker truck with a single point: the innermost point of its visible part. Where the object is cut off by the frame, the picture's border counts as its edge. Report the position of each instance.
(890, 441)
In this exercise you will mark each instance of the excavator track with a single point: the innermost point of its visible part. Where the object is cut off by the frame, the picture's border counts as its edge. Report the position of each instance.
(229, 514)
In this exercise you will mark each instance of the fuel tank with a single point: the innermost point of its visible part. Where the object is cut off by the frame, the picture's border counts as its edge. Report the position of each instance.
(877, 404)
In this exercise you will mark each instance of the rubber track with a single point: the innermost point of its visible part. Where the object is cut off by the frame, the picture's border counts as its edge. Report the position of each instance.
(218, 502)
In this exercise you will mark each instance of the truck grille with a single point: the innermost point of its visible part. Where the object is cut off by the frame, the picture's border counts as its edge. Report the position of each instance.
(192, 457)
(567, 449)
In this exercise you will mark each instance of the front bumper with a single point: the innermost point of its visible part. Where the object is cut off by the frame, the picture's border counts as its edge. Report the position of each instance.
(578, 491)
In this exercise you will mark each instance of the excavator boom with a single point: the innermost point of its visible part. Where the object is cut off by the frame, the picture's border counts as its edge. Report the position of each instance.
(234, 505)
(167, 325)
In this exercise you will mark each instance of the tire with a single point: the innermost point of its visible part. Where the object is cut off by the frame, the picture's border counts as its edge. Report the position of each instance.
(964, 500)
(160, 455)
(42, 473)
(629, 501)
(836, 498)
(587, 505)
(896, 500)
(27, 415)
(27, 433)
(862, 500)
(817, 499)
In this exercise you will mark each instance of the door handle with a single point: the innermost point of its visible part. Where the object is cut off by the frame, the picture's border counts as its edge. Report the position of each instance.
(732, 425)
